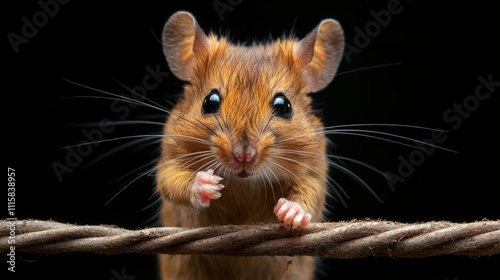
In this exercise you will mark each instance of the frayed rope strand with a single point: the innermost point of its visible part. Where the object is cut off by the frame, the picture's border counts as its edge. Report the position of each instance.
(343, 240)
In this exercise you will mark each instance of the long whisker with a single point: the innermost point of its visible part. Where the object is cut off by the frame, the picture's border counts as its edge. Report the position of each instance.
(125, 122)
(156, 37)
(184, 137)
(277, 180)
(354, 132)
(265, 172)
(130, 183)
(157, 213)
(135, 93)
(151, 204)
(368, 68)
(376, 170)
(357, 132)
(384, 125)
(329, 179)
(195, 159)
(338, 196)
(160, 108)
(131, 100)
(121, 147)
(134, 171)
(285, 169)
(203, 167)
(197, 154)
(356, 178)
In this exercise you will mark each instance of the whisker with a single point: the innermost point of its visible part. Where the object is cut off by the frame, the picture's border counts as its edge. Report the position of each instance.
(193, 161)
(162, 109)
(357, 132)
(338, 197)
(156, 37)
(131, 100)
(127, 122)
(203, 167)
(376, 170)
(133, 171)
(368, 68)
(354, 132)
(329, 178)
(112, 139)
(285, 169)
(130, 183)
(185, 137)
(277, 180)
(264, 183)
(384, 125)
(157, 213)
(357, 179)
(151, 204)
(135, 93)
(121, 147)
(197, 154)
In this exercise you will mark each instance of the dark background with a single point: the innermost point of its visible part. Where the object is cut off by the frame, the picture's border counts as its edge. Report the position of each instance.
(435, 55)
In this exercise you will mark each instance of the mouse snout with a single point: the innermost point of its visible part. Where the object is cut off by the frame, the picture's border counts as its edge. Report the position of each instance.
(244, 153)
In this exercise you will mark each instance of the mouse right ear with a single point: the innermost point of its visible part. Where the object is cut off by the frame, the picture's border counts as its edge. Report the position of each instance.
(183, 41)
(319, 54)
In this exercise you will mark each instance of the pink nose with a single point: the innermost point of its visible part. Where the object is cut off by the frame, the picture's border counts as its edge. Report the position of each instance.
(244, 153)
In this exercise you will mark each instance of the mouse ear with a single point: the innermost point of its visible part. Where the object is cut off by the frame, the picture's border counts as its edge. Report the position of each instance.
(183, 41)
(319, 53)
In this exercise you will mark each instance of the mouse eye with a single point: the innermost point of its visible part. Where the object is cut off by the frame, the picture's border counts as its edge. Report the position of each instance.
(211, 103)
(281, 106)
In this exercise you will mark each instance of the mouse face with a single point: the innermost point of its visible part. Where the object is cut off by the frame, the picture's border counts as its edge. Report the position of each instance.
(245, 112)
(249, 107)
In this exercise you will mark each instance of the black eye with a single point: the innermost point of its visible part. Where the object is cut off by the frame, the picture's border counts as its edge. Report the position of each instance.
(281, 106)
(211, 103)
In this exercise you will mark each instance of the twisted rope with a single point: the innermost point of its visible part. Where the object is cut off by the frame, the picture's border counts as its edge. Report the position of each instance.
(344, 240)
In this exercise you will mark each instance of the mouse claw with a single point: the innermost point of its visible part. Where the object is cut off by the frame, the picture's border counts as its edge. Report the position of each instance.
(205, 188)
(292, 214)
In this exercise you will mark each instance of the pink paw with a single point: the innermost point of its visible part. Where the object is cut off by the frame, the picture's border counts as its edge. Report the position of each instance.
(206, 187)
(291, 213)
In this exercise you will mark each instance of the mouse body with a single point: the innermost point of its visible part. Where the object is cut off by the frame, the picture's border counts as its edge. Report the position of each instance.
(242, 145)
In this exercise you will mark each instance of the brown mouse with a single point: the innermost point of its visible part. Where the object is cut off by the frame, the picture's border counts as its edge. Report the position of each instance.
(242, 145)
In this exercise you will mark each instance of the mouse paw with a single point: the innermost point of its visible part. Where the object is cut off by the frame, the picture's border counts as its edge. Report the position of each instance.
(205, 188)
(291, 213)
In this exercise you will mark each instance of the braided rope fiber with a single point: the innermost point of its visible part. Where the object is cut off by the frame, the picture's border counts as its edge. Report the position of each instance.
(343, 240)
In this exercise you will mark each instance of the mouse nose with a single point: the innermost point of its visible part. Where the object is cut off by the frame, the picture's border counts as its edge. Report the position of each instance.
(244, 153)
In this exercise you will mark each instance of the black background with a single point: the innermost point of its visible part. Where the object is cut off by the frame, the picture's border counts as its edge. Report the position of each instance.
(435, 55)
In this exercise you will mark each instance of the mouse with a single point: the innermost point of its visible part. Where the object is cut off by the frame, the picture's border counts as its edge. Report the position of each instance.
(242, 145)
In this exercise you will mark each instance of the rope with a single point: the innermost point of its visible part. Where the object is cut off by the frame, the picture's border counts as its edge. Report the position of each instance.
(344, 240)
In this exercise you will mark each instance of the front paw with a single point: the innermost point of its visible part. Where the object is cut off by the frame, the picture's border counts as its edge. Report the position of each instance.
(292, 214)
(205, 188)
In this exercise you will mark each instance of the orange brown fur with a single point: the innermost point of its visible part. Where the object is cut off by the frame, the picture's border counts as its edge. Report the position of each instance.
(291, 160)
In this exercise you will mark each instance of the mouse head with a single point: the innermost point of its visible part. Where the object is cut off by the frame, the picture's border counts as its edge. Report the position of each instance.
(248, 105)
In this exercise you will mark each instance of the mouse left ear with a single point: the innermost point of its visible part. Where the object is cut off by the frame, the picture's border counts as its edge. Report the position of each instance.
(183, 42)
(319, 54)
